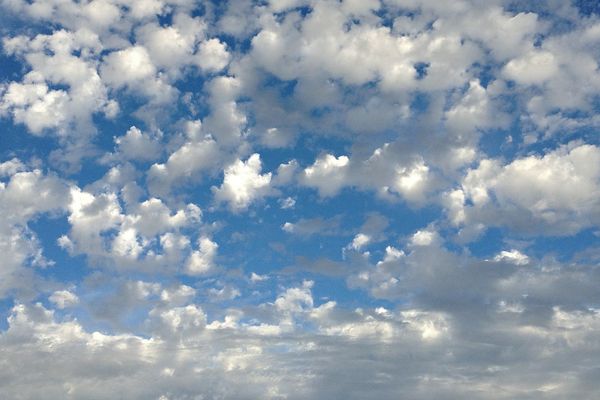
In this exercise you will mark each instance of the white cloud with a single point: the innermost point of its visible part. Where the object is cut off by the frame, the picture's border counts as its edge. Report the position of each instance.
(243, 183)
(63, 299)
(359, 241)
(423, 238)
(63, 58)
(534, 67)
(295, 300)
(512, 256)
(226, 293)
(181, 323)
(128, 67)
(414, 103)
(226, 121)
(202, 261)
(556, 193)
(411, 183)
(167, 46)
(11, 167)
(287, 203)
(177, 296)
(254, 277)
(136, 145)
(35, 106)
(328, 174)
(145, 235)
(212, 55)
(185, 163)
(26, 195)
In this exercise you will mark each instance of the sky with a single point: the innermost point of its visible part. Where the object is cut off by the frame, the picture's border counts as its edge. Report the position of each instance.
(299, 199)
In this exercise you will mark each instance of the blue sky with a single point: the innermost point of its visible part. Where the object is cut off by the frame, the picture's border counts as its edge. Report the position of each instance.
(296, 199)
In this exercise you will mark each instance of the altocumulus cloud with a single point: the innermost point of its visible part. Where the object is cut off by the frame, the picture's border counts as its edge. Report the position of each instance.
(299, 199)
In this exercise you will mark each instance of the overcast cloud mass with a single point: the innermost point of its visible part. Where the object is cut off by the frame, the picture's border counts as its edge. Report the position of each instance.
(299, 199)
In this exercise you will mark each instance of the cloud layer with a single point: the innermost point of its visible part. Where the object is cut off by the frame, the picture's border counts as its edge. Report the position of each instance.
(299, 199)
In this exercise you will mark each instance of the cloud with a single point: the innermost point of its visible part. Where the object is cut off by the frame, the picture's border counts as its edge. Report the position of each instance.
(359, 241)
(327, 174)
(136, 145)
(52, 61)
(535, 67)
(289, 199)
(314, 226)
(63, 299)
(243, 183)
(553, 194)
(187, 162)
(512, 256)
(201, 261)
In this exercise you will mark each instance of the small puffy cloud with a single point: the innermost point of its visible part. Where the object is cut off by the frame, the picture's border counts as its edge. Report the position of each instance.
(512, 256)
(287, 203)
(180, 323)
(28, 193)
(36, 106)
(314, 226)
(359, 241)
(254, 277)
(166, 46)
(390, 170)
(146, 235)
(227, 120)
(91, 215)
(212, 55)
(202, 261)
(136, 145)
(423, 238)
(11, 167)
(243, 184)
(296, 300)
(24, 196)
(226, 293)
(127, 67)
(535, 67)
(64, 298)
(286, 173)
(187, 162)
(328, 174)
(411, 182)
(178, 295)
(153, 217)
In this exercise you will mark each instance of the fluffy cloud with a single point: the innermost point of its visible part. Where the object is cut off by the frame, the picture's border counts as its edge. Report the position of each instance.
(385, 172)
(202, 260)
(534, 68)
(243, 183)
(327, 174)
(132, 68)
(54, 60)
(185, 163)
(148, 235)
(136, 145)
(63, 299)
(551, 194)
(26, 195)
